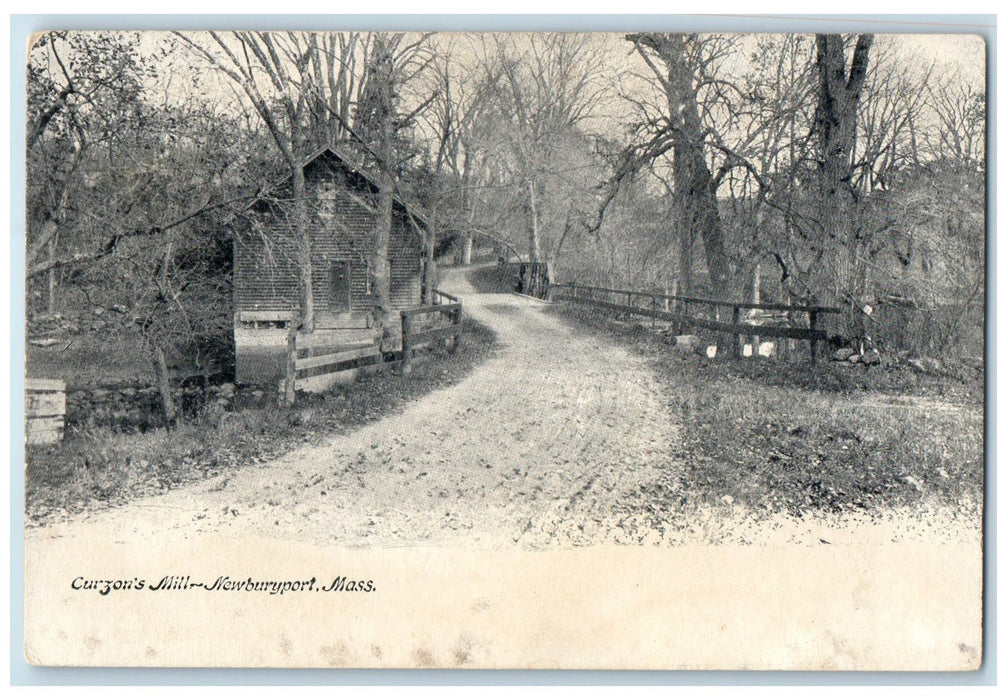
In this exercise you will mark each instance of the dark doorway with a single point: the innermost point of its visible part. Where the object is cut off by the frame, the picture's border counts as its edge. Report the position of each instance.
(339, 291)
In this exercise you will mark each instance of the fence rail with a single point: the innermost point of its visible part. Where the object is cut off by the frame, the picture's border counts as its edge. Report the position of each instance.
(439, 295)
(336, 359)
(314, 357)
(675, 309)
(417, 331)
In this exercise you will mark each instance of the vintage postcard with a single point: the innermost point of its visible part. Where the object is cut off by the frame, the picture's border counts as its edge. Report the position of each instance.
(505, 350)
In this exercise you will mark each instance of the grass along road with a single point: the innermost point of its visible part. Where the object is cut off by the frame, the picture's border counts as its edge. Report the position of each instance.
(796, 449)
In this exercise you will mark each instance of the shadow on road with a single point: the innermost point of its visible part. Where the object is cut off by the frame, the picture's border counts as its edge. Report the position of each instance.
(492, 279)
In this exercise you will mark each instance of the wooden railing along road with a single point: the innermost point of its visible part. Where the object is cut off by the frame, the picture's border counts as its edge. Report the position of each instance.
(679, 310)
(319, 355)
(419, 327)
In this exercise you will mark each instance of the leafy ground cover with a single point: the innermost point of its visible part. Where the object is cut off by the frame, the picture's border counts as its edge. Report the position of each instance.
(800, 438)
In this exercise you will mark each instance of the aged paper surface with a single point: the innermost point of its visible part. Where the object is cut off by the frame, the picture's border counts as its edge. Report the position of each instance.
(847, 607)
(485, 525)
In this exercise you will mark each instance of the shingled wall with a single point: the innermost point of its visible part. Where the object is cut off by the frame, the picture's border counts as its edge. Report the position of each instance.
(342, 220)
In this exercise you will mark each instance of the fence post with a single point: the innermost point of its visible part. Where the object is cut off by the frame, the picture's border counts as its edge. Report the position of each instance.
(813, 325)
(290, 375)
(653, 307)
(573, 290)
(739, 338)
(676, 306)
(456, 321)
(407, 353)
(791, 343)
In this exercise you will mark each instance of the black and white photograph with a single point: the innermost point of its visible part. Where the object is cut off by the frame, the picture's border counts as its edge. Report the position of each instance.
(505, 350)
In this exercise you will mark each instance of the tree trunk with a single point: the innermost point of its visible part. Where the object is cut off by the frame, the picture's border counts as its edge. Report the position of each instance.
(838, 278)
(302, 231)
(51, 298)
(377, 123)
(164, 386)
(695, 191)
(383, 228)
(430, 269)
(685, 260)
(380, 265)
(467, 250)
(534, 249)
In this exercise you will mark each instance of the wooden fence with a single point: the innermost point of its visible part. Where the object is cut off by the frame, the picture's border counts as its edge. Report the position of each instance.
(421, 327)
(317, 357)
(314, 357)
(44, 410)
(680, 310)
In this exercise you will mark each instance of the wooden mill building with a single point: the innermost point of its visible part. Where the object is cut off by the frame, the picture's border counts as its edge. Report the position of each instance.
(341, 218)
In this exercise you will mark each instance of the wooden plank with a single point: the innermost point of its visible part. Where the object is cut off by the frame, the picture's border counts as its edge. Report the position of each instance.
(289, 367)
(711, 302)
(47, 404)
(407, 353)
(336, 358)
(334, 348)
(743, 328)
(433, 334)
(252, 316)
(447, 296)
(260, 338)
(436, 309)
(33, 384)
(335, 338)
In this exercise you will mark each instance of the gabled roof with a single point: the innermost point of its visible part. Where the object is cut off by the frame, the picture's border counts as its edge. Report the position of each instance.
(351, 164)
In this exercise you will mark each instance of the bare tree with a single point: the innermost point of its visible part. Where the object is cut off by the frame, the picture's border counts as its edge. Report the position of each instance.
(546, 87)
(457, 97)
(380, 126)
(676, 61)
(840, 268)
(277, 71)
(82, 88)
(959, 132)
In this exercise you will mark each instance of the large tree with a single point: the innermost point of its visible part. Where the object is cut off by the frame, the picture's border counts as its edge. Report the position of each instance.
(676, 61)
(840, 268)
(83, 97)
(300, 85)
(381, 127)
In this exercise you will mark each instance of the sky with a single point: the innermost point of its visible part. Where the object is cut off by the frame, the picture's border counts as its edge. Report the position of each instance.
(961, 53)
